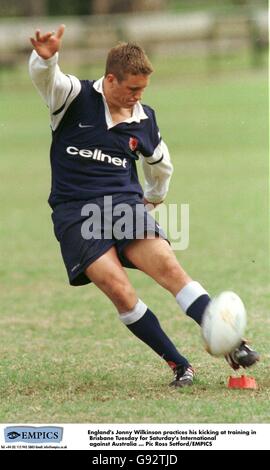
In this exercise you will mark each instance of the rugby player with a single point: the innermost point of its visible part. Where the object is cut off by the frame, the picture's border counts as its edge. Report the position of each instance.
(99, 131)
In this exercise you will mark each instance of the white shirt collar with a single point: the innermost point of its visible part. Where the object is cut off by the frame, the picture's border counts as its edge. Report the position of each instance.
(137, 114)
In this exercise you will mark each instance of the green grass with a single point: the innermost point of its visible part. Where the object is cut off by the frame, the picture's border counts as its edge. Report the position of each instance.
(65, 357)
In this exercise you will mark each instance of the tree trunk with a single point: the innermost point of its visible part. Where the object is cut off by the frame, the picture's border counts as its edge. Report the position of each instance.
(100, 7)
(124, 6)
(34, 7)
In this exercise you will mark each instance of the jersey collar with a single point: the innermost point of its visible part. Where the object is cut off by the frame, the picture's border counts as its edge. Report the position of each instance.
(137, 115)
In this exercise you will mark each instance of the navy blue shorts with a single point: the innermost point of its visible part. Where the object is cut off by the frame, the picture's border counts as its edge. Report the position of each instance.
(87, 229)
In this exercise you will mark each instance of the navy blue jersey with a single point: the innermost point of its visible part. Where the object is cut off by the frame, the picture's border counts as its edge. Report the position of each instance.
(89, 160)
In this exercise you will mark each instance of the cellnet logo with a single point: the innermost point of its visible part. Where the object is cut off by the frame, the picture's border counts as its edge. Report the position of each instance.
(33, 434)
(98, 156)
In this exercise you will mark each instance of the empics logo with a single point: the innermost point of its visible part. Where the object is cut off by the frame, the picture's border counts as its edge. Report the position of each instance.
(12, 435)
(33, 434)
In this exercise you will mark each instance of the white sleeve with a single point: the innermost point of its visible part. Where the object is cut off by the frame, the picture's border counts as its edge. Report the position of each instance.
(57, 89)
(157, 170)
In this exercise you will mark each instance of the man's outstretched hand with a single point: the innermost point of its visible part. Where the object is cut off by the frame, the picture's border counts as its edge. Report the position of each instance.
(48, 44)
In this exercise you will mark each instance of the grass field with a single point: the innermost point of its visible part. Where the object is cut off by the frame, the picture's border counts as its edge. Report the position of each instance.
(65, 357)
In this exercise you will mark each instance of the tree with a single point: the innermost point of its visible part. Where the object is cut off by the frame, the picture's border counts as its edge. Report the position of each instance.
(23, 7)
(125, 6)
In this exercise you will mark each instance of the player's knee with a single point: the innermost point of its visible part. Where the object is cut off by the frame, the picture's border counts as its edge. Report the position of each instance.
(122, 294)
(169, 272)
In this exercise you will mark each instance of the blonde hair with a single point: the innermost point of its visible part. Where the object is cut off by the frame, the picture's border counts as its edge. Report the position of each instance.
(127, 58)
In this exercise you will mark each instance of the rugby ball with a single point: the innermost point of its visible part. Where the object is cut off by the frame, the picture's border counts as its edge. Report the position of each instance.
(224, 323)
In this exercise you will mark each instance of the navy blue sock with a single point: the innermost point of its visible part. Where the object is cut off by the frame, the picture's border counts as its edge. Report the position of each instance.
(196, 310)
(148, 330)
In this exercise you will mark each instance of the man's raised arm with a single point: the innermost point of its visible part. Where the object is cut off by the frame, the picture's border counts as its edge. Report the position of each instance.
(57, 89)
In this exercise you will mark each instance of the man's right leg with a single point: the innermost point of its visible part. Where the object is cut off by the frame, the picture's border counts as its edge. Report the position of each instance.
(156, 258)
(109, 276)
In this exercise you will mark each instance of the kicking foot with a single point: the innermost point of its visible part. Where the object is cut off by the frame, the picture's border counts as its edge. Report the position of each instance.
(242, 356)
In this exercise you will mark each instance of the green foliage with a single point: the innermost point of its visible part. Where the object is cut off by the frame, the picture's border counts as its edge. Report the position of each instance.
(215, 5)
(69, 7)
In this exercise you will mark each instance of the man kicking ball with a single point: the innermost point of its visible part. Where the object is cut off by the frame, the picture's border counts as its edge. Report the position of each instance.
(99, 130)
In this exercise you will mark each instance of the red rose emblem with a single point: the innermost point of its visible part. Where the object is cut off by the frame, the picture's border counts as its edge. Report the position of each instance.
(133, 143)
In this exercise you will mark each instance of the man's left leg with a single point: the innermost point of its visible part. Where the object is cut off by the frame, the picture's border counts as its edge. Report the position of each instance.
(155, 257)
(109, 276)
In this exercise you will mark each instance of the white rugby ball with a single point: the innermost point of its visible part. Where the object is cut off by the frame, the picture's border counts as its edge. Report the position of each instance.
(224, 323)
